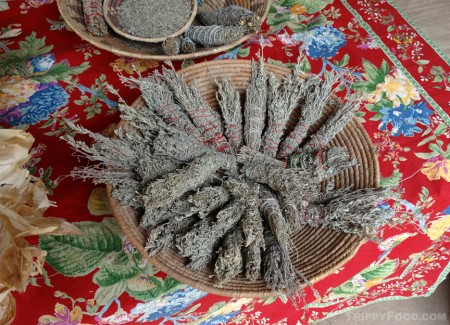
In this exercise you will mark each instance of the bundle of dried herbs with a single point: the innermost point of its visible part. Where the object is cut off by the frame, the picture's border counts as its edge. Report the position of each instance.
(209, 185)
(229, 16)
(216, 35)
(94, 18)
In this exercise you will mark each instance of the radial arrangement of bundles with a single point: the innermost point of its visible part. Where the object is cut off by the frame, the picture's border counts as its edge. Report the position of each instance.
(148, 20)
(226, 189)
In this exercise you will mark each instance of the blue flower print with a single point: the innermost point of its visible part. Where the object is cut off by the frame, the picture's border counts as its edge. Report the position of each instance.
(221, 319)
(41, 63)
(47, 99)
(404, 118)
(168, 305)
(323, 42)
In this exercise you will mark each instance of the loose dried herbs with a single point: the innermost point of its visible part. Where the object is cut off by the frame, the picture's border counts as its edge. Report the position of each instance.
(153, 18)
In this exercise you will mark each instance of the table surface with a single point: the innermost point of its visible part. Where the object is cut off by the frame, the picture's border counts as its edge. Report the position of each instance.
(49, 76)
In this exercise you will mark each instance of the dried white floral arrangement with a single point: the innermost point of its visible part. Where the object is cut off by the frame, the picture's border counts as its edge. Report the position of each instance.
(228, 189)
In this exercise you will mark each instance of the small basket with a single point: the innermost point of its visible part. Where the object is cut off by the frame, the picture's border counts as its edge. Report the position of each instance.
(317, 252)
(72, 13)
(110, 8)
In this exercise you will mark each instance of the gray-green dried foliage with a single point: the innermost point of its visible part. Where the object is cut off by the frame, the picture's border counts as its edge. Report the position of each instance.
(208, 199)
(252, 260)
(163, 236)
(328, 162)
(279, 273)
(169, 188)
(317, 95)
(335, 123)
(93, 17)
(230, 105)
(216, 35)
(229, 262)
(283, 98)
(187, 45)
(201, 241)
(271, 211)
(153, 18)
(171, 46)
(230, 16)
(180, 209)
(357, 212)
(202, 115)
(160, 99)
(255, 106)
(252, 226)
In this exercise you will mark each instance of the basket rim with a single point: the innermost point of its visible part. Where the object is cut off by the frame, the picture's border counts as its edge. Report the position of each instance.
(119, 29)
(134, 234)
(130, 52)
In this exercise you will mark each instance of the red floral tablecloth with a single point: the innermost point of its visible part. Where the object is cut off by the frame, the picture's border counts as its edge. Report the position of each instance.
(49, 76)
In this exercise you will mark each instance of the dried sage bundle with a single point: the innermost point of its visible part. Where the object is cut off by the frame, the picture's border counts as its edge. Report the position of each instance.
(252, 261)
(282, 100)
(229, 263)
(216, 35)
(328, 162)
(171, 46)
(335, 123)
(202, 115)
(166, 190)
(187, 45)
(317, 95)
(163, 236)
(200, 243)
(94, 18)
(279, 273)
(357, 212)
(255, 106)
(230, 105)
(230, 16)
(208, 200)
(270, 209)
(160, 99)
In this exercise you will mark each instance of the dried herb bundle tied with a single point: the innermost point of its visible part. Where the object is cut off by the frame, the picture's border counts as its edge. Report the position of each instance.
(215, 35)
(94, 18)
(230, 16)
(210, 186)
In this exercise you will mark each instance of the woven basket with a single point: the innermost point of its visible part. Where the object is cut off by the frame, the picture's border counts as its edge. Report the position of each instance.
(318, 252)
(72, 12)
(110, 12)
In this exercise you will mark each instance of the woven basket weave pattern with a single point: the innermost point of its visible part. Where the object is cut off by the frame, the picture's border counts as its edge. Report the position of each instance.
(317, 251)
(72, 12)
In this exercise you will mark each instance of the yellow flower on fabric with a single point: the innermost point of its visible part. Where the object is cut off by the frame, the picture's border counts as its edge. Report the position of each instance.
(132, 65)
(373, 282)
(62, 316)
(15, 90)
(298, 9)
(439, 227)
(437, 168)
(397, 89)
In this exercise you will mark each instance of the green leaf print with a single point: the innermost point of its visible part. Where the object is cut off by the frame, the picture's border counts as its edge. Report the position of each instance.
(104, 295)
(119, 269)
(11, 62)
(74, 255)
(314, 6)
(161, 288)
(374, 75)
(380, 271)
(61, 71)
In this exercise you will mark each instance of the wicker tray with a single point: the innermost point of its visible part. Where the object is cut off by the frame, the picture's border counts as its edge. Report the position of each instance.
(72, 12)
(110, 8)
(318, 252)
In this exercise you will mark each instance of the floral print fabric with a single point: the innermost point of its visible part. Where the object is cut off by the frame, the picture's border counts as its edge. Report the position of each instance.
(49, 77)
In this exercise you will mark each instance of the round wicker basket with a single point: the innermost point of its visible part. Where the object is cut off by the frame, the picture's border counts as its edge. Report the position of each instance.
(317, 252)
(110, 8)
(72, 12)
